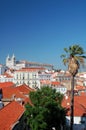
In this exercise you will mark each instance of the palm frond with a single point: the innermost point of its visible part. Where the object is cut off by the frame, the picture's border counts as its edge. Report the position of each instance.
(65, 61)
(80, 59)
(77, 50)
(63, 56)
(74, 58)
(66, 50)
(83, 57)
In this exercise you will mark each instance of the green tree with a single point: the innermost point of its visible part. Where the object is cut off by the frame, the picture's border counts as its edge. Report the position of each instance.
(73, 58)
(46, 110)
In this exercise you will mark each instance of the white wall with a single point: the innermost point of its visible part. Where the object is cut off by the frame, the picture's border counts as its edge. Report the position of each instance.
(77, 123)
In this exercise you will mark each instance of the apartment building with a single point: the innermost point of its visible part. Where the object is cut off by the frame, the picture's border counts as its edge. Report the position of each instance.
(28, 76)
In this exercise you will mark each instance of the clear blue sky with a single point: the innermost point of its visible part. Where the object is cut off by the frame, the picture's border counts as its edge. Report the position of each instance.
(38, 30)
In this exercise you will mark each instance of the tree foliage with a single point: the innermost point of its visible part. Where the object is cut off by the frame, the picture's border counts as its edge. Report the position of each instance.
(46, 111)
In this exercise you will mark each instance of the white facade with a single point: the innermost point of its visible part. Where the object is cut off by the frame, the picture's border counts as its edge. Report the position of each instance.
(13, 64)
(28, 77)
(10, 62)
(78, 125)
(2, 69)
(45, 76)
(6, 79)
(62, 89)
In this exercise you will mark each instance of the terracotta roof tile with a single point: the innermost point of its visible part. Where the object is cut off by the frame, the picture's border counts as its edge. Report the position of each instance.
(55, 83)
(30, 69)
(10, 114)
(10, 92)
(24, 89)
(79, 105)
(6, 84)
(78, 87)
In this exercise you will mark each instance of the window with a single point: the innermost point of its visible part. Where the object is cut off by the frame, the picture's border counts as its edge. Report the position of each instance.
(23, 76)
(1, 95)
(20, 76)
(28, 76)
(34, 75)
(17, 76)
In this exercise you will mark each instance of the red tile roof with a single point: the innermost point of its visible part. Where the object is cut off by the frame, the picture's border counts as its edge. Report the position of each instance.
(55, 83)
(79, 105)
(10, 114)
(81, 100)
(24, 89)
(30, 69)
(78, 87)
(6, 84)
(10, 92)
(83, 93)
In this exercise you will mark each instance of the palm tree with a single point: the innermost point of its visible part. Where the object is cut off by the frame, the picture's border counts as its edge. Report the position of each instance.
(73, 58)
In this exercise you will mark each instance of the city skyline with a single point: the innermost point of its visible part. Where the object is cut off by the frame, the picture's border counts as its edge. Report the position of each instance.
(39, 30)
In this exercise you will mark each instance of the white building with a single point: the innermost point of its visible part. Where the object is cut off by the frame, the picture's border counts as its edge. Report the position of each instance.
(6, 78)
(2, 69)
(28, 76)
(45, 76)
(60, 88)
(12, 63)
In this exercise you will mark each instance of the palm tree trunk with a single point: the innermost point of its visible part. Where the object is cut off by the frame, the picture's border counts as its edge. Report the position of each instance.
(72, 103)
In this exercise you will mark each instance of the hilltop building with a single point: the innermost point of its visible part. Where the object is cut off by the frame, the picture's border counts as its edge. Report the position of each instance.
(2, 69)
(10, 62)
(13, 64)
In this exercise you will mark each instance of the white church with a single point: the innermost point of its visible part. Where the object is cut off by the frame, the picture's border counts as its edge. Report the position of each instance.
(13, 64)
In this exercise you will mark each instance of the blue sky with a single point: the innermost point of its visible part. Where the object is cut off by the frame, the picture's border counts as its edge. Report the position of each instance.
(38, 30)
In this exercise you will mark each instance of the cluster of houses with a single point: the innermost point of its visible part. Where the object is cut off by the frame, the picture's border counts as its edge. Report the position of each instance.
(19, 78)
